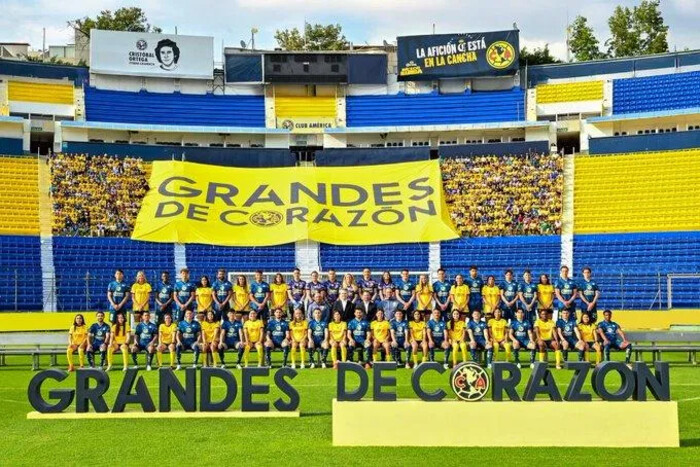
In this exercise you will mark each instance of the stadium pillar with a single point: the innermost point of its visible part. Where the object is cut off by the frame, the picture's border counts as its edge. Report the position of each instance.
(434, 258)
(307, 256)
(567, 226)
(180, 252)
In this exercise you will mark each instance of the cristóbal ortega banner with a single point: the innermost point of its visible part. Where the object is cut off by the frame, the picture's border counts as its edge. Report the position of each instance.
(197, 203)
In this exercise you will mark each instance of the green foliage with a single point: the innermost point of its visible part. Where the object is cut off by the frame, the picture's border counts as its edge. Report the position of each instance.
(539, 56)
(124, 19)
(637, 31)
(315, 37)
(583, 42)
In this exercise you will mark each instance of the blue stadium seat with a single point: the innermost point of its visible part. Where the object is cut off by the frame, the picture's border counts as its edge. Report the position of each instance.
(394, 257)
(656, 93)
(206, 259)
(20, 273)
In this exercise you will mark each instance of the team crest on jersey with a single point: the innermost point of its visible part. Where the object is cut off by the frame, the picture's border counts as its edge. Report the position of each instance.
(266, 218)
(470, 382)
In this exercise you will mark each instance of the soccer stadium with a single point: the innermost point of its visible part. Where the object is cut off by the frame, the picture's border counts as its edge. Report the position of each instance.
(565, 228)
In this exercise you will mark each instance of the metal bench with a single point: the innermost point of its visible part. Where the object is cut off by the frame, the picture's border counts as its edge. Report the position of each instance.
(34, 344)
(658, 342)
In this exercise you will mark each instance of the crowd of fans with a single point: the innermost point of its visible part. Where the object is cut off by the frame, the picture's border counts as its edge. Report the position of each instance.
(505, 195)
(97, 196)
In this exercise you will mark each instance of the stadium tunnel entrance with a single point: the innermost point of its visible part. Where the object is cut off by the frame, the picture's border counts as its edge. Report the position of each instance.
(41, 142)
(568, 142)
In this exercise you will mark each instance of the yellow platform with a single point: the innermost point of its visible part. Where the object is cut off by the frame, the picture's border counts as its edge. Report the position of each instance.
(618, 424)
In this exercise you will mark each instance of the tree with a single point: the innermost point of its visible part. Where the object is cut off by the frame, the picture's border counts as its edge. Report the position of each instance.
(124, 19)
(650, 27)
(539, 56)
(583, 42)
(624, 36)
(315, 37)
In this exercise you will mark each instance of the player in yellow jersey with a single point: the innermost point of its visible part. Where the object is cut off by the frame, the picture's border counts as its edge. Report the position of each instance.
(140, 296)
(210, 335)
(424, 295)
(498, 331)
(417, 337)
(299, 328)
(166, 339)
(491, 296)
(589, 336)
(241, 297)
(337, 330)
(547, 337)
(456, 332)
(119, 340)
(278, 294)
(545, 295)
(459, 296)
(253, 332)
(205, 300)
(380, 336)
(77, 340)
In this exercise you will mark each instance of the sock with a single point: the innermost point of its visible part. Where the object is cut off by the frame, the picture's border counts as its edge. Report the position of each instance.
(388, 356)
(375, 355)
(150, 359)
(214, 358)
(628, 353)
(489, 356)
(607, 353)
(110, 355)
(285, 355)
(91, 358)
(179, 354)
(302, 354)
(473, 354)
(324, 355)
(532, 356)
(598, 357)
(565, 354)
(581, 355)
(432, 355)
(344, 353)
(196, 354)
(125, 355)
(103, 354)
(294, 356)
(246, 353)
(268, 354)
(172, 357)
(542, 356)
(221, 356)
(134, 357)
(69, 356)
(447, 355)
(455, 347)
(463, 349)
(557, 357)
(496, 348)
(415, 359)
(259, 348)
(409, 351)
(507, 348)
(159, 358)
(334, 355)
(516, 355)
(81, 357)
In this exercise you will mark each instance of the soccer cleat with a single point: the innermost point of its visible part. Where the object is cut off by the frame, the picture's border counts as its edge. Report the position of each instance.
(335, 365)
(313, 365)
(323, 364)
(223, 366)
(109, 368)
(71, 368)
(488, 366)
(558, 367)
(125, 368)
(446, 366)
(532, 365)
(238, 366)
(135, 367)
(518, 364)
(407, 366)
(194, 365)
(148, 367)
(367, 366)
(178, 368)
(302, 366)
(294, 366)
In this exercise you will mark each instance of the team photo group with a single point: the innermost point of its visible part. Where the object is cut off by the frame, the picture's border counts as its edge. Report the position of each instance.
(363, 320)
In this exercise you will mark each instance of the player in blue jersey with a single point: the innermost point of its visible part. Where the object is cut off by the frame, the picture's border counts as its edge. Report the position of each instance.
(260, 296)
(613, 337)
(399, 338)
(569, 335)
(527, 297)
(367, 284)
(566, 291)
(315, 286)
(332, 285)
(118, 293)
(478, 332)
(231, 337)
(358, 338)
(189, 337)
(522, 337)
(145, 338)
(222, 290)
(164, 298)
(441, 293)
(436, 330)
(184, 294)
(405, 292)
(296, 292)
(318, 339)
(509, 296)
(277, 337)
(475, 284)
(589, 293)
(98, 336)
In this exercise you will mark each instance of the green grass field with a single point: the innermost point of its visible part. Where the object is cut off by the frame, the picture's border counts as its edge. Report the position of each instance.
(302, 441)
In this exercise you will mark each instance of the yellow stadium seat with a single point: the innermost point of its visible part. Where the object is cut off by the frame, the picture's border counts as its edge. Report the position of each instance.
(19, 196)
(570, 92)
(291, 107)
(40, 92)
(641, 192)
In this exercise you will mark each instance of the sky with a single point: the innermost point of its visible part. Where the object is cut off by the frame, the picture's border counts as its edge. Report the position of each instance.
(364, 21)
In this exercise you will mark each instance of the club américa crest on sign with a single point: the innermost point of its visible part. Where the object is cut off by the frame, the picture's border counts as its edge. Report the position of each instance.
(470, 382)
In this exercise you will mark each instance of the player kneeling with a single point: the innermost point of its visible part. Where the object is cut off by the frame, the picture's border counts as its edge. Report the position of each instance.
(253, 333)
(546, 337)
(417, 337)
(337, 333)
(588, 334)
(479, 338)
(231, 337)
(359, 337)
(277, 337)
(380, 337)
(457, 334)
(497, 330)
(300, 330)
(166, 339)
(145, 338)
(521, 336)
(189, 335)
(318, 339)
(437, 338)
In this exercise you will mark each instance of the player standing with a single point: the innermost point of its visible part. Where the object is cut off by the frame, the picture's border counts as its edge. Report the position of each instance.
(460, 296)
(296, 292)
(332, 286)
(140, 297)
(589, 293)
(117, 295)
(241, 297)
(527, 293)
(367, 284)
(231, 338)
(277, 337)
(98, 337)
(279, 292)
(184, 294)
(424, 295)
(509, 296)
(441, 293)
(205, 300)
(406, 292)
(491, 295)
(164, 298)
(259, 296)
(351, 287)
(545, 296)
(313, 287)
(475, 284)
(566, 292)
(77, 340)
(223, 290)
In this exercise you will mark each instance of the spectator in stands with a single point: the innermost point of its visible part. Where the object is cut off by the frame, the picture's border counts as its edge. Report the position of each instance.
(96, 195)
(505, 195)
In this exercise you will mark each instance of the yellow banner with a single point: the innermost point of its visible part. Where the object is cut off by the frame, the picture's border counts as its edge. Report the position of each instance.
(198, 203)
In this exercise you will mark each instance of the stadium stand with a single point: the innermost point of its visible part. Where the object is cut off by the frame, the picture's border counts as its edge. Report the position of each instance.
(641, 192)
(97, 195)
(174, 109)
(291, 107)
(206, 259)
(505, 195)
(570, 92)
(20, 273)
(84, 267)
(394, 257)
(656, 93)
(435, 108)
(79, 75)
(40, 92)
(631, 269)
(641, 143)
(19, 196)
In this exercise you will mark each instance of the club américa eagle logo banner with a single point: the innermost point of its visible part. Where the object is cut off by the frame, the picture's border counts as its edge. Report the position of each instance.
(379, 204)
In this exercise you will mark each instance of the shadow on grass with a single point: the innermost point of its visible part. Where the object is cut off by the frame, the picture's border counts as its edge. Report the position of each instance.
(315, 414)
(690, 443)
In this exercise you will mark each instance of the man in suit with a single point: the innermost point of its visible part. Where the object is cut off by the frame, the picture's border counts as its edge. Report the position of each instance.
(368, 306)
(344, 306)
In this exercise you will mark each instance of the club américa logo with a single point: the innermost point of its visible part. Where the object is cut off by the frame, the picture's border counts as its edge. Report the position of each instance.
(470, 382)
(266, 218)
(500, 55)
(141, 44)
